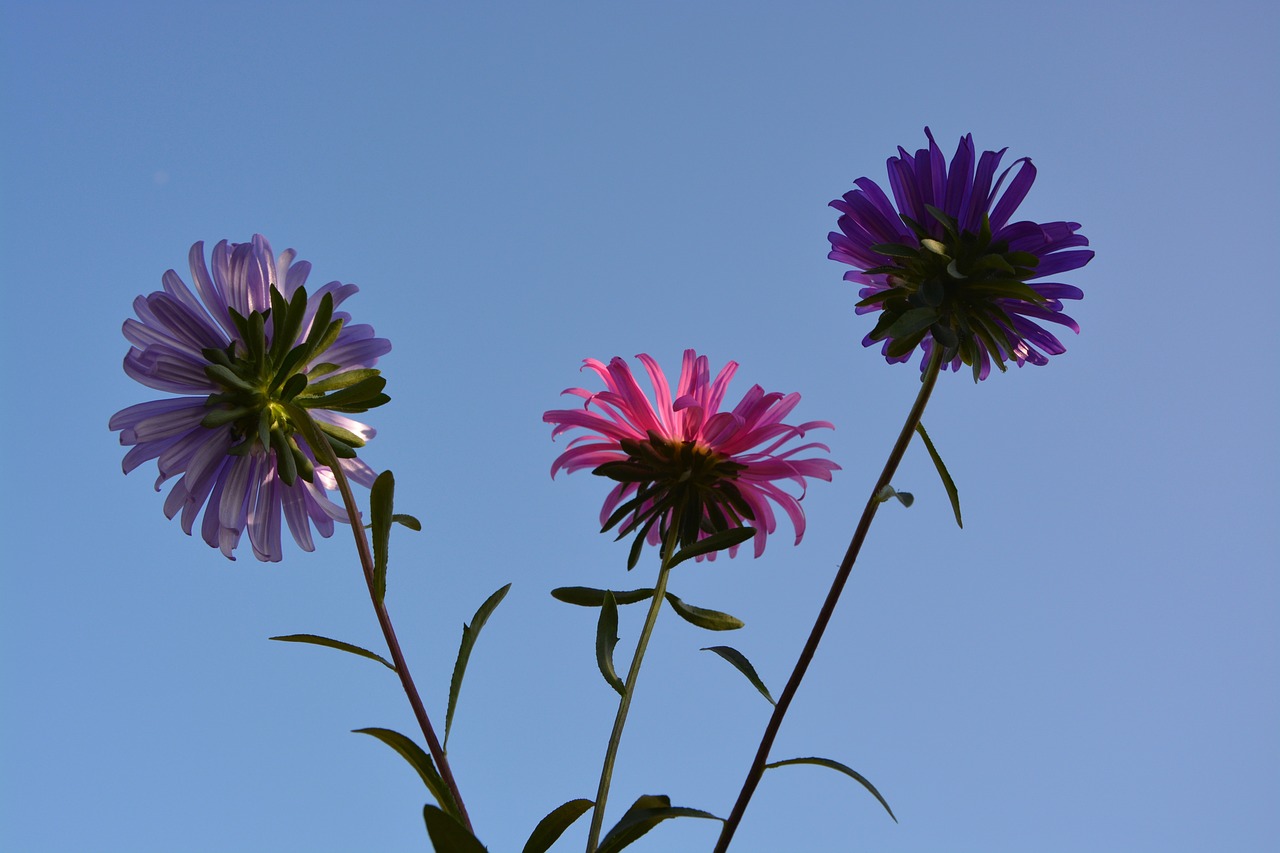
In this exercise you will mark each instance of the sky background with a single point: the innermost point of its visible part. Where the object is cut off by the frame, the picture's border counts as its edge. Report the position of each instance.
(1092, 664)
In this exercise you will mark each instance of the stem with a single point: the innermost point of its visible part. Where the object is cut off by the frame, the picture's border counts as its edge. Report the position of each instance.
(320, 445)
(628, 690)
(829, 605)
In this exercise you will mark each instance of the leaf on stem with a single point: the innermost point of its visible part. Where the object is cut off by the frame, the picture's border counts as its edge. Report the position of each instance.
(740, 663)
(904, 498)
(336, 644)
(421, 762)
(585, 596)
(469, 635)
(606, 639)
(448, 835)
(712, 620)
(380, 500)
(947, 482)
(645, 813)
(845, 769)
(715, 542)
(551, 827)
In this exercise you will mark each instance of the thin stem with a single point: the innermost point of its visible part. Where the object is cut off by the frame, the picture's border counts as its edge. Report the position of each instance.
(628, 690)
(829, 605)
(321, 446)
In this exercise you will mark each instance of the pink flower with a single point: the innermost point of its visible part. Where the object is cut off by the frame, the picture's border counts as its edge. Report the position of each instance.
(685, 462)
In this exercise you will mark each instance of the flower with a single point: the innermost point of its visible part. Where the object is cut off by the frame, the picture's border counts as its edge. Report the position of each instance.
(252, 353)
(685, 462)
(948, 268)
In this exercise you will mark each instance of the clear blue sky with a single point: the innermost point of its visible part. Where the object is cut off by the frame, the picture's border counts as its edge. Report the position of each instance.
(1090, 665)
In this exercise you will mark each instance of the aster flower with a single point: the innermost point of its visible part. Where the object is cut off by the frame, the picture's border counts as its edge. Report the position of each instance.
(252, 353)
(683, 462)
(947, 268)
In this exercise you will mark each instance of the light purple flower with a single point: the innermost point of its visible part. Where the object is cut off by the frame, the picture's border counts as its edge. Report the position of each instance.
(248, 349)
(683, 461)
(947, 267)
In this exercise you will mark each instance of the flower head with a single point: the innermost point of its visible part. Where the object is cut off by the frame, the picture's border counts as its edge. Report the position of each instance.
(252, 353)
(947, 268)
(683, 462)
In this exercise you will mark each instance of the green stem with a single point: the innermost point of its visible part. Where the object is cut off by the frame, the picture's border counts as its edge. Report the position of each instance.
(829, 605)
(320, 446)
(628, 690)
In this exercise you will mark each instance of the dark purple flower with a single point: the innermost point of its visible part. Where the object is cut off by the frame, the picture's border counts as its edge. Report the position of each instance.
(946, 266)
(250, 350)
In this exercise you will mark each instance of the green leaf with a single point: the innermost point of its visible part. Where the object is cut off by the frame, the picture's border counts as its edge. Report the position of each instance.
(407, 520)
(947, 482)
(606, 639)
(846, 770)
(904, 498)
(448, 835)
(645, 813)
(420, 761)
(715, 542)
(740, 662)
(551, 827)
(585, 596)
(712, 620)
(380, 502)
(336, 644)
(469, 635)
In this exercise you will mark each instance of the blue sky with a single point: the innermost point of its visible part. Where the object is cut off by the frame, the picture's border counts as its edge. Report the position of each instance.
(1091, 664)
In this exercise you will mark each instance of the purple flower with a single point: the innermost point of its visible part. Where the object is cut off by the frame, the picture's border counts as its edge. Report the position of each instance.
(684, 461)
(250, 351)
(946, 266)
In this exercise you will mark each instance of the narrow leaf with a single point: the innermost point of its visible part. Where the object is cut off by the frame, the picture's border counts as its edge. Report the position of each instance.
(380, 501)
(947, 482)
(585, 596)
(845, 769)
(407, 520)
(740, 662)
(715, 542)
(647, 812)
(448, 835)
(420, 761)
(336, 644)
(469, 635)
(551, 827)
(712, 620)
(606, 639)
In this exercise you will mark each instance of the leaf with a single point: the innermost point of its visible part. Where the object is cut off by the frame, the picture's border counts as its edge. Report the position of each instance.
(715, 542)
(336, 644)
(913, 321)
(380, 501)
(469, 635)
(904, 498)
(407, 520)
(448, 835)
(947, 482)
(645, 813)
(740, 662)
(712, 620)
(846, 770)
(606, 639)
(551, 827)
(585, 596)
(420, 761)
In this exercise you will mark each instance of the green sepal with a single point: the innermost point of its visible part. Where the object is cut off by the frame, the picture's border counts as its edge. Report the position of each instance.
(740, 663)
(948, 223)
(358, 394)
(711, 620)
(551, 827)
(1006, 288)
(947, 483)
(447, 833)
(381, 498)
(935, 247)
(221, 417)
(421, 762)
(913, 321)
(715, 542)
(606, 640)
(633, 555)
(226, 377)
(902, 346)
(882, 296)
(585, 596)
(645, 813)
(342, 380)
(293, 386)
(286, 465)
(895, 250)
(347, 437)
(316, 640)
(846, 770)
(469, 635)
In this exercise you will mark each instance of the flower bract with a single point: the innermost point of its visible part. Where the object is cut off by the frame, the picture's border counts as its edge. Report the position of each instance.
(945, 266)
(251, 353)
(680, 462)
